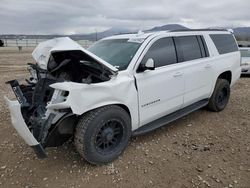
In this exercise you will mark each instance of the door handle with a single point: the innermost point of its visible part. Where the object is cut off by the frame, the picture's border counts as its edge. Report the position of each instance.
(178, 74)
(207, 66)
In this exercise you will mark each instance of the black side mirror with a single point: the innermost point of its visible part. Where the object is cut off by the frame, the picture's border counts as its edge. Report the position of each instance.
(149, 65)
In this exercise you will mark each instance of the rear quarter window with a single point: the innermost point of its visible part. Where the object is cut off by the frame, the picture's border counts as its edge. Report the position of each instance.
(225, 43)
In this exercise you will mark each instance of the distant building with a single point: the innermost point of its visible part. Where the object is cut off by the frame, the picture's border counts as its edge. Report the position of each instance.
(1, 43)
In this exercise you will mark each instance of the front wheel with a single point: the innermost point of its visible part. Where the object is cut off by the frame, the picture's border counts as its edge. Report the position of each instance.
(103, 134)
(220, 96)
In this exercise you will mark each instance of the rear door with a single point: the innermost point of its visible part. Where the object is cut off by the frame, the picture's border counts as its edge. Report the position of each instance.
(160, 91)
(193, 56)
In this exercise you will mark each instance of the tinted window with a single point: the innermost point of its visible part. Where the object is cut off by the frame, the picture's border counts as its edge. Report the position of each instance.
(205, 46)
(188, 48)
(224, 43)
(162, 52)
(202, 49)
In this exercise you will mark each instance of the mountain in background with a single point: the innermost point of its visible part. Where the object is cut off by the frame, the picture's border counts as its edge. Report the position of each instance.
(241, 33)
(99, 35)
(117, 31)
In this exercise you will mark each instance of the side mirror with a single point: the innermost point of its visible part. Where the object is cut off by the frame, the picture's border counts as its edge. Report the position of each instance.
(149, 65)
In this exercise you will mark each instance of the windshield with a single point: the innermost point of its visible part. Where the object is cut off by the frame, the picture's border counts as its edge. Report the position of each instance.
(117, 52)
(245, 53)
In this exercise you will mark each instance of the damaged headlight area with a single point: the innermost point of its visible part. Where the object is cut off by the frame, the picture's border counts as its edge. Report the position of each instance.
(48, 126)
(43, 108)
(41, 114)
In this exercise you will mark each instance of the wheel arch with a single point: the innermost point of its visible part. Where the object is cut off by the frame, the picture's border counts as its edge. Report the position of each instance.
(123, 106)
(227, 75)
(55, 138)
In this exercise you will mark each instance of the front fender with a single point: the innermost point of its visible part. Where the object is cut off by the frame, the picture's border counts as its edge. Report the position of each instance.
(85, 97)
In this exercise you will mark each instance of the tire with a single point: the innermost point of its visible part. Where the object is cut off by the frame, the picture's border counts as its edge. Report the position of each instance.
(220, 96)
(102, 135)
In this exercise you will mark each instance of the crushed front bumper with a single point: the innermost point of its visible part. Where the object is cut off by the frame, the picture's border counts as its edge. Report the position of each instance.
(22, 129)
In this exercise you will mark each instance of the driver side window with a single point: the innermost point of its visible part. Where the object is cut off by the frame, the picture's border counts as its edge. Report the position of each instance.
(162, 52)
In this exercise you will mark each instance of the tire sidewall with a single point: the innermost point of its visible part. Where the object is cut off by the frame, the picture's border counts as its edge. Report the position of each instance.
(222, 84)
(93, 128)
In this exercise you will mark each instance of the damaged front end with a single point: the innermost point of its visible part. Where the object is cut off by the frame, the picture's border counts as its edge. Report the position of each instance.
(36, 124)
(57, 60)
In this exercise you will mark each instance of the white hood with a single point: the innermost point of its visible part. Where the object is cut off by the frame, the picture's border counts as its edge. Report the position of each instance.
(42, 52)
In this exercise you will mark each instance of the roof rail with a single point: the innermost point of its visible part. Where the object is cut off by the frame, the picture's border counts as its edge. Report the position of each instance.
(180, 30)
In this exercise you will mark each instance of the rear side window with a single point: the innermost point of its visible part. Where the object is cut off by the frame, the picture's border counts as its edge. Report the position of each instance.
(189, 48)
(162, 52)
(224, 43)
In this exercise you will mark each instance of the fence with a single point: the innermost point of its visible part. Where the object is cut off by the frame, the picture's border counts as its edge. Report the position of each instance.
(21, 43)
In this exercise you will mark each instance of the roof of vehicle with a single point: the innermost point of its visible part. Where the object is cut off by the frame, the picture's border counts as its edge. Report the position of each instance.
(144, 35)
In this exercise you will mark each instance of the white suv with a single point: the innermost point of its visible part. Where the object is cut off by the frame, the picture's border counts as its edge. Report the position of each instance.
(121, 86)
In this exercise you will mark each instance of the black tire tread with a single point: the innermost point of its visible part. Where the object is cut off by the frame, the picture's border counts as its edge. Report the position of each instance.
(212, 104)
(81, 129)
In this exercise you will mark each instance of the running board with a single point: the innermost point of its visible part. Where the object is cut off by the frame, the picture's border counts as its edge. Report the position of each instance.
(169, 118)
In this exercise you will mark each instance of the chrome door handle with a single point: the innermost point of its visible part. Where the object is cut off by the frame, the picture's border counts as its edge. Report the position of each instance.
(178, 74)
(207, 66)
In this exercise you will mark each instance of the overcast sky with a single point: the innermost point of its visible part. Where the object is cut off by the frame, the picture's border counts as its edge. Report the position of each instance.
(84, 16)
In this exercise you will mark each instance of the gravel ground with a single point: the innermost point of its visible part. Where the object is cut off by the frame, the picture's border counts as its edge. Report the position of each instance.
(203, 149)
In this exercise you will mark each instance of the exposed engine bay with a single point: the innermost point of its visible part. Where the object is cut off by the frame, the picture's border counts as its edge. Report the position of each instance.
(76, 67)
(49, 126)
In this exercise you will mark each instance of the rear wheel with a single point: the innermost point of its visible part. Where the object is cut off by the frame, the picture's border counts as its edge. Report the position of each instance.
(220, 97)
(103, 134)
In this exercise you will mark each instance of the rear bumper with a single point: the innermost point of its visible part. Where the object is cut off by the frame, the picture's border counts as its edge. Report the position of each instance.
(22, 129)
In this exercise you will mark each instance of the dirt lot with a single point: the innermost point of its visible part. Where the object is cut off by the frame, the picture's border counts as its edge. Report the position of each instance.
(203, 149)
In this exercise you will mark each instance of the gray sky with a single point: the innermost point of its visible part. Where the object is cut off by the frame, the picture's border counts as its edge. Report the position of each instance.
(84, 16)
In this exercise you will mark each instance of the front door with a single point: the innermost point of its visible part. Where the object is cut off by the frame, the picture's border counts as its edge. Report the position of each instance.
(160, 91)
